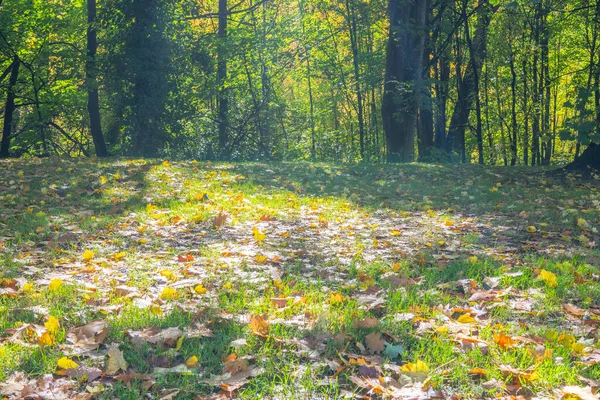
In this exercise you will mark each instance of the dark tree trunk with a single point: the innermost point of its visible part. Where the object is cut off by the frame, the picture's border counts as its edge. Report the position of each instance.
(9, 108)
(222, 98)
(426, 106)
(476, 72)
(403, 73)
(513, 108)
(590, 158)
(547, 145)
(467, 90)
(352, 27)
(442, 79)
(92, 83)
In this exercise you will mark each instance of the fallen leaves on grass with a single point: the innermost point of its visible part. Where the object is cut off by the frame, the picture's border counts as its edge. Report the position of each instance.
(115, 362)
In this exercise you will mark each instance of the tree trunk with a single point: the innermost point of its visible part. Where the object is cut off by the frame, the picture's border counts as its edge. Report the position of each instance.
(476, 72)
(590, 158)
(92, 83)
(466, 91)
(426, 106)
(313, 148)
(545, 31)
(441, 90)
(352, 27)
(9, 108)
(403, 73)
(222, 99)
(513, 106)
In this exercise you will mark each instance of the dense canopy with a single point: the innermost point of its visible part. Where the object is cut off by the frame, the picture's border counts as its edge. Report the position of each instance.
(496, 82)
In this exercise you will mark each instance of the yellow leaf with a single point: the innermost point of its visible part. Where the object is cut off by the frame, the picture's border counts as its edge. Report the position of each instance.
(548, 277)
(336, 298)
(258, 235)
(47, 339)
(531, 229)
(52, 325)
(166, 164)
(103, 180)
(581, 222)
(170, 275)
(191, 362)
(66, 363)
(179, 343)
(442, 330)
(466, 319)
(578, 347)
(199, 289)
(28, 287)
(473, 259)
(119, 256)
(88, 255)
(419, 366)
(55, 284)
(565, 339)
(155, 310)
(260, 258)
(169, 294)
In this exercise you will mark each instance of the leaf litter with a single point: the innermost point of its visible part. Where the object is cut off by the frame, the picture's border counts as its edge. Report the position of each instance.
(476, 274)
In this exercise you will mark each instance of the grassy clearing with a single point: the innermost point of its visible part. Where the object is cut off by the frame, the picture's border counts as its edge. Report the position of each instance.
(317, 281)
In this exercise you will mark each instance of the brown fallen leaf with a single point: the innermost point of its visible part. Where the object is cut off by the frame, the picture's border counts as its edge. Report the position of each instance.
(132, 376)
(366, 323)
(88, 337)
(574, 310)
(529, 374)
(483, 296)
(116, 362)
(259, 325)
(161, 337)
(220, 220)
(233, 365)
(279, 302)
(238, 380)
(471, 343)
(375, 344)
(83, 373)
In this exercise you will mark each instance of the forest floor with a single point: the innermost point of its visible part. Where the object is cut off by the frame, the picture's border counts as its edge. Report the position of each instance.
(183, 280)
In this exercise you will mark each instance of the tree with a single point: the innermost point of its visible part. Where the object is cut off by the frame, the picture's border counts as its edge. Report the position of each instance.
(222, 93)
(403, 75)
(93, 104)
(9, 107)
(467, 85)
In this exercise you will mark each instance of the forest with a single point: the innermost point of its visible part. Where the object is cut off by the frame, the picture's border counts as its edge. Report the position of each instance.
(491, 82)
(299, 199)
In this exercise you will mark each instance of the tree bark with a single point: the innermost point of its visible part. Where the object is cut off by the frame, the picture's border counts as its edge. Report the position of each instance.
(9, 108)
(590, 158)
(403, 72)
(513, 104)
(352, 28)
(466, 91)
(222, 99)
(93, 105)
(426, 106)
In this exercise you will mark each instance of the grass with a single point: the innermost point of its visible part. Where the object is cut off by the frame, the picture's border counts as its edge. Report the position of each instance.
(405, 246)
